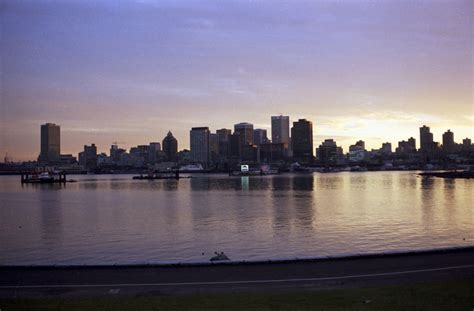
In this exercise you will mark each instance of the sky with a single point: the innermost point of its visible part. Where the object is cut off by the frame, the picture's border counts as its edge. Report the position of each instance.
(129, 71)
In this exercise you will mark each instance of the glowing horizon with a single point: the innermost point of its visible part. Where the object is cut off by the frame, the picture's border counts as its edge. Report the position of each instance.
(129, 71)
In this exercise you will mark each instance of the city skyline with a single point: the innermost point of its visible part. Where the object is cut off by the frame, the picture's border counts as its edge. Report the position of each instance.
(200, 136)
(439, 139)
(134, 70)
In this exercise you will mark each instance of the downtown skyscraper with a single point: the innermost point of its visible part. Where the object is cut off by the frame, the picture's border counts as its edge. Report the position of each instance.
(50, 144)
(199, 142)
(281, 130)
(302, 140)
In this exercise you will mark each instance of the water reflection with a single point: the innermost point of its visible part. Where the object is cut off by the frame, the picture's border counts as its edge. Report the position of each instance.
(117, 219)
(244, 182)
(51, 216)
(303, 183)
(280, 183)
(427, 200)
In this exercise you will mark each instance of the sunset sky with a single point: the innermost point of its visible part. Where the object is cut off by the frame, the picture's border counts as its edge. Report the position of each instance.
(129, 71)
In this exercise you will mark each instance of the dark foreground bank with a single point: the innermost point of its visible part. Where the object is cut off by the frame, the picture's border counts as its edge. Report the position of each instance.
(436, 280)
(352, 272)
(444, 295)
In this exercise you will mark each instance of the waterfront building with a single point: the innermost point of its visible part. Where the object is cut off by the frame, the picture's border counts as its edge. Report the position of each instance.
(302, 140)
(170, 147)
(448, 142)
(411, 144)
(386, 148)
(67, 159)
(103, 159)
(116, 153)
(406, 147)
(245, 131)
(272, 152)
(260, 136)
(199, 142)
(88, 157)
(426, 139)
(281, 130)
(213, 147)
(328, 152)
(223, 139)
(154, 151)
(235, 146)
(466, 144)
(250, 153)
(359, 145)
(50, 144)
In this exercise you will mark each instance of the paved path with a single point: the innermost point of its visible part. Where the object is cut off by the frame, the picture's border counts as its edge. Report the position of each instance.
(156, 280)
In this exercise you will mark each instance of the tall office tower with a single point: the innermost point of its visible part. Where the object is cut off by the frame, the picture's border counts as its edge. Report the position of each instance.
(260, 137)
(281, 130)
(170, 147)
(199, 142)
(302, 140)
(213, 147)
(153, 150)
(88, 158)
(116, 153)
(426, 139)
(412, 144)
(466, 144)
(448, 141)
(386, 148)
(245, 131)
(50, 144)
(223, 139)
(235, 145)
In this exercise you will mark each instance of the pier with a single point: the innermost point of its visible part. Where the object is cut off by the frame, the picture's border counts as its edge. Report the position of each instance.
(43, 177)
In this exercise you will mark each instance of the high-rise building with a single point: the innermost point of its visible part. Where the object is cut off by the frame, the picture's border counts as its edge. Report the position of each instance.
(260, 136)
(328, 152)
(235, 146)
(448, 141)
(359, 145)
(213, 147)
(88, 158)
(386, 148)
(170, 147)
(116, 153)
(153, 152)
(199, 142)
(466, 145)
(302, 140)
(412, 144)
(281, 130)
(245, 131)
(50, 144)
(426, 139)
(406, 147)
(223, 139)
(270, 152)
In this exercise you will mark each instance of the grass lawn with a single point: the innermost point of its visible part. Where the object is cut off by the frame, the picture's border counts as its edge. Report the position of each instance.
(453, 295)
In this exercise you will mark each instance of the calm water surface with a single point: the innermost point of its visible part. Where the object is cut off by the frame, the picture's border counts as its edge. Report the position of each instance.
(113, 219)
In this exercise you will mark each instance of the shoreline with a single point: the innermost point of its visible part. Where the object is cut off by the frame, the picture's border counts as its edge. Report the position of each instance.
(394, 254)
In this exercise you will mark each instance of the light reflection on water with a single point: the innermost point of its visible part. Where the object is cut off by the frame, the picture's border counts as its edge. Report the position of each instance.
(114, 219)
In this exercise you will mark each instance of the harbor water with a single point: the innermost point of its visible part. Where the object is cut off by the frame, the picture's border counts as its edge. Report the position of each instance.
(113, 219)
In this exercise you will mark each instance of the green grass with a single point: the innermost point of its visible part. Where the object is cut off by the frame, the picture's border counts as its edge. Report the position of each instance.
(453, 295)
